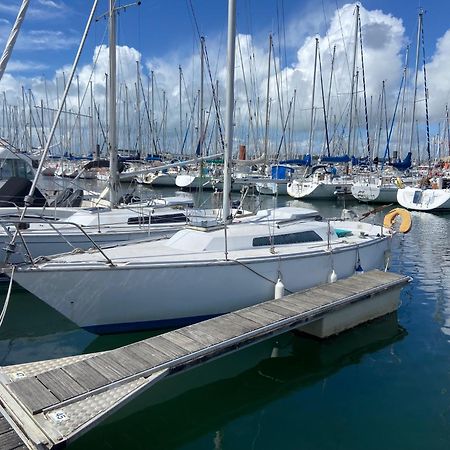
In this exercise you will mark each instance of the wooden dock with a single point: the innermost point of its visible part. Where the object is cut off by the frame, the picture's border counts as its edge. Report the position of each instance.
(47, 404)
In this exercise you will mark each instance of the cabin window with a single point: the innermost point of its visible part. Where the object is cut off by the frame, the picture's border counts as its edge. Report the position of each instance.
(283, 239)
(15, 168)
(164, 218)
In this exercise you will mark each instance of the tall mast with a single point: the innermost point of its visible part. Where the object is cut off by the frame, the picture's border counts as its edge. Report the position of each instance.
(181, 109)
(427, 121)
(402, 115)
(448, 129)
(229, 109)
(112, 131)
(413, 117)
(366, 115)
(138, 110)
(353, 82)
(311, 125)
(266, 131)
(325, 118)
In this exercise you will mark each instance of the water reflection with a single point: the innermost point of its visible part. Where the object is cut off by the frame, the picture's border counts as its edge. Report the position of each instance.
(189, 409)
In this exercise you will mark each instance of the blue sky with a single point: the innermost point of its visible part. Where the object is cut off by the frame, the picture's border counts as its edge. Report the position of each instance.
(163, 35)
(157, 28)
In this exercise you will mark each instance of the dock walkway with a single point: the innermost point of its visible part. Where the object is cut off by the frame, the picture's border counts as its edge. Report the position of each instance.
(53, 402)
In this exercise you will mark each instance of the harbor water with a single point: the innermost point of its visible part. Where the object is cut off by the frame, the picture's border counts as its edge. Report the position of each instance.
(384, 384)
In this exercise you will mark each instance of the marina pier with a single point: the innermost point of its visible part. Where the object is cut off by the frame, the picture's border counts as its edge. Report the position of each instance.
(48, 404)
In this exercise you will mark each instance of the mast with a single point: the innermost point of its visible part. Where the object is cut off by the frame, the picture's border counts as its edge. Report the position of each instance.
(366, 115)
(426, 96)
(112, 131)
(402, 115)
(138, 111)
(180, 108)
(413, 117)
(325, 118)
(311, 126)
(201, 105)
(229, 109)
(448, 129)
(353, 82)
(266, 131)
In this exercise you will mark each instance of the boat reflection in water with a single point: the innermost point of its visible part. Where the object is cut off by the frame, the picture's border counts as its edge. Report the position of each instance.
(237, 390)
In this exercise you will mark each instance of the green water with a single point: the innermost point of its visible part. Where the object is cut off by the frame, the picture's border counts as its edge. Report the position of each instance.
(383, 385)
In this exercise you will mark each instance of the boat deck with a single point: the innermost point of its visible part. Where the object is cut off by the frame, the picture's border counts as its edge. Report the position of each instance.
(55, 401)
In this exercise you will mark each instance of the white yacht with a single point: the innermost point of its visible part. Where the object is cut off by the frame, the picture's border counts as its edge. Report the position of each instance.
(202, 272)
(435, 197)
(320, 185)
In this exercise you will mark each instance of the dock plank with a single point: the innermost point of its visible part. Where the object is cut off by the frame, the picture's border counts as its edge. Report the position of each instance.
(249, 314)
(230, 327)
(216, 329)
(235, 325)
(11, 441)
(4, 425)
(297, 306)
(251, 324)
(61, 384)
(183, 341)
(265, 317)
(108, 368)
(86, 375)
(199, 336)
(128, 357)
(298, 303)
(165, 346)
(313, 300)
(381, 277)
(149, 355)
(33, 394)
(356, 284)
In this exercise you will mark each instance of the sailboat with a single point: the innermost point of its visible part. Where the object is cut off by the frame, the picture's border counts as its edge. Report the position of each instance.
(430, 194)
(435, 197)
(103, 223)
(382, 188)
(204, 271)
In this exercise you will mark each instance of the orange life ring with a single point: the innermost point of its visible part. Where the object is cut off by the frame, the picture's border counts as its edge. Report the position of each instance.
(405, 215)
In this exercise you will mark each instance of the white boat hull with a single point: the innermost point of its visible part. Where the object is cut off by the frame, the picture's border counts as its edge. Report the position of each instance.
(160, 295)
(424, 199)
(162, 179)
(366, 192)
(272, 187)
(316, 190)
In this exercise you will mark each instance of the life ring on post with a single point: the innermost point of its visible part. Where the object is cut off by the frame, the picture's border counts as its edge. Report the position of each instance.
(405, 216)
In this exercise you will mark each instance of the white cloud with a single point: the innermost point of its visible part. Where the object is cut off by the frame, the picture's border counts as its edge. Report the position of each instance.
(25, 66)
(438, 72)
(43, 10)
(383, 43)
(9, 9)
(52, 4)
(46, 40)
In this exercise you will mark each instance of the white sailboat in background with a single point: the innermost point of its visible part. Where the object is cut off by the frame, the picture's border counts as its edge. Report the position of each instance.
(52, 229)
(321, 184)
(429, 195)
(204, 271)
(429, 199)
